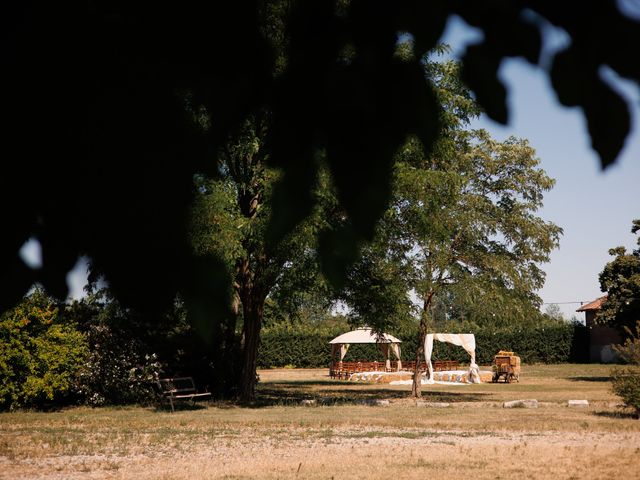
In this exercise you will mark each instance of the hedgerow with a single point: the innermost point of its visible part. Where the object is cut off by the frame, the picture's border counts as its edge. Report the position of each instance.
(305, 347)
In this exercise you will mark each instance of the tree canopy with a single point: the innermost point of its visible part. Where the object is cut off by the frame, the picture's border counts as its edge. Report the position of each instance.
(230, 220)
(620, 278)
(101, 102)
(462, 225)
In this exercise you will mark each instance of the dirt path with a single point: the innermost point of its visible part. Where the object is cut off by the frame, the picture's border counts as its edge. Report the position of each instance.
(359, 453)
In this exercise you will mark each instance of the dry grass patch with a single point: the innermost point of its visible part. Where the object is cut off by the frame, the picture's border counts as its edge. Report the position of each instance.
(274, 439)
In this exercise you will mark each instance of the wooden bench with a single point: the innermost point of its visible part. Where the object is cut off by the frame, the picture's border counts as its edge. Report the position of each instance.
(179, 389)
(347, 369)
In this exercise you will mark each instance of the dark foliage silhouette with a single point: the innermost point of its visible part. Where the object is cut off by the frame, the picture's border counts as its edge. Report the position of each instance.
(101, 102)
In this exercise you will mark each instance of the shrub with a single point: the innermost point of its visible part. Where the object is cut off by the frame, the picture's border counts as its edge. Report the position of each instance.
(40, 354)
(626, 384)
(117, 370)
(626, 381)
(630, 350)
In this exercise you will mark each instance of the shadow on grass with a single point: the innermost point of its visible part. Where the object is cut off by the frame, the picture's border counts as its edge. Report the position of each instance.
(284, 395)
(311, 383)
(181, 406)
(618, 414)
(589, 379)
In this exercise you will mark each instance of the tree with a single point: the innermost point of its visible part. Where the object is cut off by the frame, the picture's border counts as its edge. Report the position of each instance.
(461, 223)
(620, 278)
(101, 88)
(554, 313)
(230, 220)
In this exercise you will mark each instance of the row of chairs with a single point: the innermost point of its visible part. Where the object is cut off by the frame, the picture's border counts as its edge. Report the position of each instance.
(438, 365)
(344, 370)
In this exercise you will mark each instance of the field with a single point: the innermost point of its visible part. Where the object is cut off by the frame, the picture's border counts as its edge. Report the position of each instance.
(341, 435)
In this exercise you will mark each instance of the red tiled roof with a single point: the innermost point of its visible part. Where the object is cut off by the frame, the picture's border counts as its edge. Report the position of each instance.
(595, 305)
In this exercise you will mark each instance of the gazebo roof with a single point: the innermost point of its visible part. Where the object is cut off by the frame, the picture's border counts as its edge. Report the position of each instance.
(364, 335)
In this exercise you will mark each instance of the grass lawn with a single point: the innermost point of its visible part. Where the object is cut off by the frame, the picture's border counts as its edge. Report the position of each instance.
(340, 437)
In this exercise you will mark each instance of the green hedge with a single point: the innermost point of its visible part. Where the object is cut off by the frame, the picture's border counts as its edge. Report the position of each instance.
(304, 347)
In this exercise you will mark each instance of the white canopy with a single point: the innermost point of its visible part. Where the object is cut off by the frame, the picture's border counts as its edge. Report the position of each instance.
(385, 341)
(364, 335)
(464, 340)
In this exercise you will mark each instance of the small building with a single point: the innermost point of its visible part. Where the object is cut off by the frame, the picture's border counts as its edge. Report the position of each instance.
(601, 337)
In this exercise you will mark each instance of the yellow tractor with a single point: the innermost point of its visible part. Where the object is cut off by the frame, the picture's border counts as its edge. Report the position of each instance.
(506, 365)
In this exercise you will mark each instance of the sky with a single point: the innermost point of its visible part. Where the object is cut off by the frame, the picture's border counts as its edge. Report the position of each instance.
(594, 208)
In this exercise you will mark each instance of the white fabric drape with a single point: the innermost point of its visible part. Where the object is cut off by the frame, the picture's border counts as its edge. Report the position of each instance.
(343, 350)
(464, 340)
(384, 348)
(395, 348)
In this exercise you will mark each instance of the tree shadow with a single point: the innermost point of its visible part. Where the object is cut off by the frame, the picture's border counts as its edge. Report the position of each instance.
(429, 395)
(621, 414)
(286, 394)
(328, 381)
(589, 379)
(181, 406)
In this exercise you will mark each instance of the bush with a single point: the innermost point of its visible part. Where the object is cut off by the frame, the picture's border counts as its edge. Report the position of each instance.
(119, 368)
(626, 384)
(40, 354)
(626, 381)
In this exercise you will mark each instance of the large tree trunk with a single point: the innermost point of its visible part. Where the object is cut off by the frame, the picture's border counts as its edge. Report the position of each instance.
(253, 309)
(416, 388)
(221, 360)
(228, 364)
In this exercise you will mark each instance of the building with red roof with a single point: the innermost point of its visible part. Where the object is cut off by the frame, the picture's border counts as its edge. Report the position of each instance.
(601, 337)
